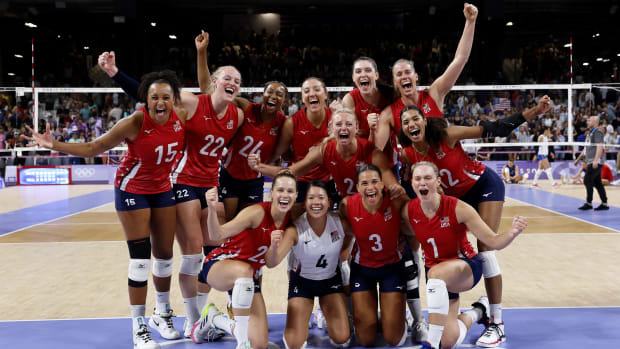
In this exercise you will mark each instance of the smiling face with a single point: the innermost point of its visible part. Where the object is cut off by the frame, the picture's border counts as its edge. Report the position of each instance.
(313, 95)
(160, 99)
(425, 182)
(413, 125)
(365, 76)
(284, 193)
(344, 127)
(273, 97)
(370, 186)
(404, 78)
(227, 83)
(317, 202)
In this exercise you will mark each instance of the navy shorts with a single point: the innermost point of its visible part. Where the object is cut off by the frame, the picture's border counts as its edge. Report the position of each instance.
(489, 187)
(184, 193)
(476, 268)
(307, 288)
(206, 266)
(249, 190)
(390, 277)
(125, 201)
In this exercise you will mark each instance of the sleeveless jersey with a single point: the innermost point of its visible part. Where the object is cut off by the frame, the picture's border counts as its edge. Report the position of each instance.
(457, 170)
(376, 235)
(344, 173)
(251, 244)
(427, 105)
(305, 137)
(442, 237)
(363, 108)
(543, 148)
(205, 139)
(147, 165)
(254, 137)
(317, 257)
(511, 170)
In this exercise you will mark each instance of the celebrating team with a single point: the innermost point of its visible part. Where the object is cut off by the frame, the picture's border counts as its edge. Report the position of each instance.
(175, 178)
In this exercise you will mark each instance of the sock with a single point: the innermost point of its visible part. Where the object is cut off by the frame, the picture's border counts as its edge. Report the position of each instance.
(223, 322)
(496, 313)
(137, 315)
(416, 309)
(191, 309)
(550, 174)
(241, 328)
(538, 172)
(434, 335)
(475, 314)
(201, 300)
(162, 304)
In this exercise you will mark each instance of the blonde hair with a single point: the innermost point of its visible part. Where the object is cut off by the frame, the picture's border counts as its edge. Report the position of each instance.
(220, 70)
(431, 165)
(403, 60)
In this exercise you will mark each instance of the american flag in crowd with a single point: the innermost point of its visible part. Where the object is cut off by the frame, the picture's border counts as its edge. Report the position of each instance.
(501, 104)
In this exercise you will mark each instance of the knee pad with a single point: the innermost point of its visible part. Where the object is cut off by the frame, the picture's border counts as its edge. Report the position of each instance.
(462, 332)
(162, 268)
(437, 297)
(242, 294)
(138, 272)
(411, 274)
(345, 273)
(336, 345)
(139, 249)
(191, 264)
(490, 267)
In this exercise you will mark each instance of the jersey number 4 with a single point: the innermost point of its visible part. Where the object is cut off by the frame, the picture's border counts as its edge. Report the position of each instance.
(322, 262)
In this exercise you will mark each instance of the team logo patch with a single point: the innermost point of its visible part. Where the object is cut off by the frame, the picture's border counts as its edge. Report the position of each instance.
(387, 215)
(359, 164)
(440, 154)
(229, 124)
(426, 108)
(273, 131)
(334, 236)
(445, 222)
(177, 126)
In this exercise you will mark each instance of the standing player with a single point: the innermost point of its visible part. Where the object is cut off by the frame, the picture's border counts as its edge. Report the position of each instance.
(235, 265)
(543, 158)
(144, 199)
(430, 139)
(315, 243)
(440, 223)
(376, 259)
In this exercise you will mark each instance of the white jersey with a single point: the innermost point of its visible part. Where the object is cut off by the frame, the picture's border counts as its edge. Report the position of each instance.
(317, 257)
(543, 148)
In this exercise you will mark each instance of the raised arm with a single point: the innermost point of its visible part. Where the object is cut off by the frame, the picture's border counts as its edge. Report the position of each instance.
(125, 128)
(204, 77)
(107, 63)
(467, 215)
(384, 127)
(281, 243)
(249, 217)
(440, 87)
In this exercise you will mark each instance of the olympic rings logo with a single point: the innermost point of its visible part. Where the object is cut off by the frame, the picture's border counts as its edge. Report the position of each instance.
(84, 172)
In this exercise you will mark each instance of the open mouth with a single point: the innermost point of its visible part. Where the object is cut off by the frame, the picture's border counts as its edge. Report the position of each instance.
(364, 83)
(424, 192)
(284, 203)
(371, 196)
(317, 208)
(407, 85)
(271, 104)
(313, 101)
(415, 133)
(229, 91)
(343, 135)
(160, 112)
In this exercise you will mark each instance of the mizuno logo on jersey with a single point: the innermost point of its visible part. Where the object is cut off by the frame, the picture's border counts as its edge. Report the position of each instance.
(303, 132)
(445, 222)
(333, 163)
(415, 220)
(207, 118)
(265, 229)
(357, 219)
(148, 131)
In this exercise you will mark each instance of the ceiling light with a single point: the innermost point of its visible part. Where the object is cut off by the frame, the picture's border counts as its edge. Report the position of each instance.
(173, 37)
(18, 56)
(509, 24)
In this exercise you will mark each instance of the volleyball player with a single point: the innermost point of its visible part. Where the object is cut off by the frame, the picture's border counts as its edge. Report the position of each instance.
(510, 173)
(235, 265)
(543, 158)
(440, 223)
(430, 139)
(144, 199)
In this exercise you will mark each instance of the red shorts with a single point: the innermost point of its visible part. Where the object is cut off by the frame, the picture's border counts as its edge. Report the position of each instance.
(606, 173)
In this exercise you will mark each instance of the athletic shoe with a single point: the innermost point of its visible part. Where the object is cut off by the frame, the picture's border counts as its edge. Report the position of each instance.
(409, 317)
(162, 322)
(426, 345)
(555, 184)
(483, 304)
(187, 329)
(585, 206)
(602, 207)
(492, 336)
(419, 331)
(244, 345)
(142, 339)
(318, 319)
(204, 330)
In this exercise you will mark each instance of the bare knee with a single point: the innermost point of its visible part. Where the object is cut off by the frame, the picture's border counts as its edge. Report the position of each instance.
(294, 339)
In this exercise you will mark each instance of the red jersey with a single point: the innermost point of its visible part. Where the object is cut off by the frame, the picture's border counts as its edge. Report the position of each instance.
(205, 139)
(376, 235)
(254, 137)
(427, 105)
(251, 244)
(442, 237)
(344, 173)
(305, 137)
(457, 170)
(148, 162)
(363, 108)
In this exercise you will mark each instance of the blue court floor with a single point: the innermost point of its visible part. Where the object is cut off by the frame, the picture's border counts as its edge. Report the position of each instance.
(539, 328)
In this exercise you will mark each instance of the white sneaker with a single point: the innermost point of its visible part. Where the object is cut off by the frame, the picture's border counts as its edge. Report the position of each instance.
(162, 322)
(409, 317)
(187, 329)
(492, 336)
(142, 339)
(319, 319)
(419, 331)
(244, 345)
(204, 330)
